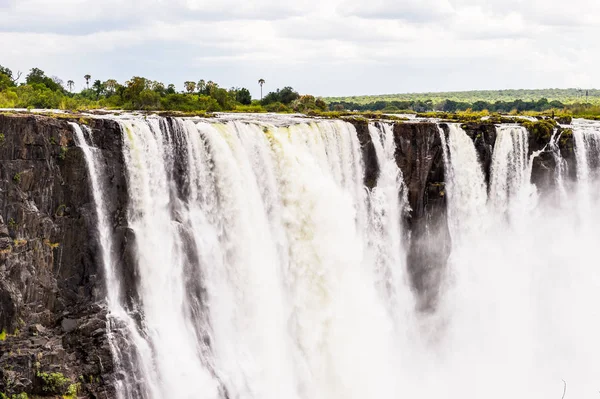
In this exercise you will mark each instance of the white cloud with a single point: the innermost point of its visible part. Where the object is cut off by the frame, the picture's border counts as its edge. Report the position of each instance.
(318, 46)
(417, 11)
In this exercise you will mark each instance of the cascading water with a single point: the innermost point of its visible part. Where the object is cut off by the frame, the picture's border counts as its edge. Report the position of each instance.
(509, 166)
(130, 351)
(521, 307)
(587, 151)
(267, 270)
(258, 249)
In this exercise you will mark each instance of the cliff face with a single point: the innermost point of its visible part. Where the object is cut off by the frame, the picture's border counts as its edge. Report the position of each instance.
(52, 313)
(51, 290)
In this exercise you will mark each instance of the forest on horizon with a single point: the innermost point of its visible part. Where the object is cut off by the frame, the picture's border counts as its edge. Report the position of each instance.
(39, 90)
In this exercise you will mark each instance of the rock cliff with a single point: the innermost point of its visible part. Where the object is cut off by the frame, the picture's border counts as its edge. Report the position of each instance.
(52, 318)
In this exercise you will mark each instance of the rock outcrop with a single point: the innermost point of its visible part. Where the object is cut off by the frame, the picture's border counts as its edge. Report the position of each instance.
(52, 317)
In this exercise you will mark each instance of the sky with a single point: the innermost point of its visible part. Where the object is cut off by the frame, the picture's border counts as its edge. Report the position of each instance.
(320, 47)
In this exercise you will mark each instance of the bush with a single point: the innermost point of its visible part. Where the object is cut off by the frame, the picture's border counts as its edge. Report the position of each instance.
(277, 107)
(54, 383)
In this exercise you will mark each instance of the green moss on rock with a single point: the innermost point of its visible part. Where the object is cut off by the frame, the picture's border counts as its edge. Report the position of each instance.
(542, 129)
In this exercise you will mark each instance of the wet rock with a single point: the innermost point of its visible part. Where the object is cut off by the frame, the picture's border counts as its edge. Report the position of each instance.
(419, 155)
(68, 325)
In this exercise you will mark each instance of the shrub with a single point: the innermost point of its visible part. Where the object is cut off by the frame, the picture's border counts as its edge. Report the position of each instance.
(54, 383)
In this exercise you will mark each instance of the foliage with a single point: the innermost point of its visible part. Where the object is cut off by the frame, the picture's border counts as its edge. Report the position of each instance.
(565, 96)
(54, 383)
(63, 153)
(276, 107)
(37, 77)
(72, 391)
(243, 96)
(138, 93)
(285, 96)
(21, 395)
(3, 335)
(541, 129)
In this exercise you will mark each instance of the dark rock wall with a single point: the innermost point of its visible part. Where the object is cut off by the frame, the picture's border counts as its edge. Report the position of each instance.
(419, 155)
(51, 284)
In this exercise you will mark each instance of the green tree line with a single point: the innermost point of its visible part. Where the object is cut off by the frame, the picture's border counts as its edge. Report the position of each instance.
(514, 106)
(565, 96)
(139, 93)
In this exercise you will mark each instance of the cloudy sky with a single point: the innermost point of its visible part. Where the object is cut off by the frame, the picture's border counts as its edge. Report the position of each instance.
(323, 47)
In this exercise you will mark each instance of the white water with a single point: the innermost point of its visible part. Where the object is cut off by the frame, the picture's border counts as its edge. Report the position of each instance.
(522, 307)
(137, 354)
(262, 242)
(267, 270)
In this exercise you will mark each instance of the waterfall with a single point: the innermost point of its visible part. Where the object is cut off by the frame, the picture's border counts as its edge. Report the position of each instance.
(509, 175)
(521, 307)
(266, 269)
(561, 164)
(257, 249)
(388, 202)
(587, 152)
(465, 183)
(130, 351)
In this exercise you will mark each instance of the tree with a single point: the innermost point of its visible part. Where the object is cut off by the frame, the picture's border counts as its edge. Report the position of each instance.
(243, 96)
(87, 80)
(111, 86)
(6, 79)
(190, 86)
(5, 82)
(5, 71)
(321, 104)
(201, 86)
(287, 95)
(210, 87)
(171, 89)
(261, 82)
(36, 77)
(134, 88)
(306, 103)
(158, 87)
(98, 87)
(70, 85)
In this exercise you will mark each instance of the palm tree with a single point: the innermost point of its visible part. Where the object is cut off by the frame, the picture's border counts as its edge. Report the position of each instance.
(111, 85)
(190, 86)
(87, 80)
(70, 85)
(261, 82)
(211, 86)
(201, 86)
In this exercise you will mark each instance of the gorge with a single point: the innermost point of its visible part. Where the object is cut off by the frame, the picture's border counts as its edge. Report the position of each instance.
(290, 257)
